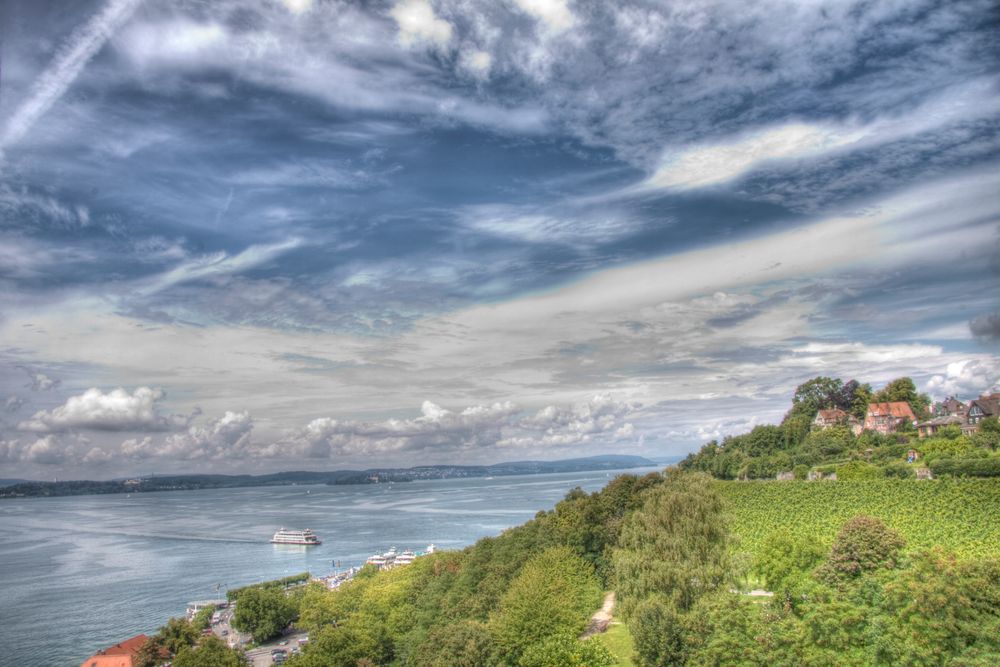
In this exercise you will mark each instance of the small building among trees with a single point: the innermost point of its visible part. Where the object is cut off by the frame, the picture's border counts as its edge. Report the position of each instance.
(930, 427)
(888, 417)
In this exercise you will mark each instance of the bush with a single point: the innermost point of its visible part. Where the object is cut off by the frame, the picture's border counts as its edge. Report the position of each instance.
(858, 470)
(459, 644)
(566, 650)
(864, 544)
(899, 471)
(989, 467)
(785, 561)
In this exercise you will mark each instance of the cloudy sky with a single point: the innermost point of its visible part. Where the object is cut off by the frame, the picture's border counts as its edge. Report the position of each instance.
(255, 235)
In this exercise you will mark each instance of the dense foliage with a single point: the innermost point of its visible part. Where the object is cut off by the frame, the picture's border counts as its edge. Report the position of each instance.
(264, 612)
(234, 594)
(181, 642)
(521, 598)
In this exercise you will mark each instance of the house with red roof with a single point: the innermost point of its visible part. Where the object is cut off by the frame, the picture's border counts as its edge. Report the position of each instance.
(888, 417)
(119, 655)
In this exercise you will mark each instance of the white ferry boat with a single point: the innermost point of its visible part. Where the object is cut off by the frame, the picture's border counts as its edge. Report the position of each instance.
(284, 536)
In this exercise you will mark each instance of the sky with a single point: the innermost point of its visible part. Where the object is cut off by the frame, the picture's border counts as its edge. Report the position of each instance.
(261, 235)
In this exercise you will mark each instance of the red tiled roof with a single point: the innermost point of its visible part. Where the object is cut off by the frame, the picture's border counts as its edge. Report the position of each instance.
(898, 409)
(119, 654)
(835, 413)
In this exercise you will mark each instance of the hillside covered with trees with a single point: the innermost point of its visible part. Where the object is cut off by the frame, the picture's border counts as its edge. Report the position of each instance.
(675, 549)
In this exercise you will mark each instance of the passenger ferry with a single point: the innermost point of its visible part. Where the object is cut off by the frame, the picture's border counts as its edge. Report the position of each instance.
(295, 537)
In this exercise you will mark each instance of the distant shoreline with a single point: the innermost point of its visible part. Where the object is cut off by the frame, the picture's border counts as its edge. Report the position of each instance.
(336, 477)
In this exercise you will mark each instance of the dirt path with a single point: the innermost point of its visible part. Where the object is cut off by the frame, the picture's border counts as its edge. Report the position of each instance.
(601, 619)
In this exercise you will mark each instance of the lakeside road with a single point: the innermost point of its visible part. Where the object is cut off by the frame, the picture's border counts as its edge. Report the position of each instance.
(261, 656)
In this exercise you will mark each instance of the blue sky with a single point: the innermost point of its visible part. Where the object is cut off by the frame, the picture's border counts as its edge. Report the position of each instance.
(252, 236)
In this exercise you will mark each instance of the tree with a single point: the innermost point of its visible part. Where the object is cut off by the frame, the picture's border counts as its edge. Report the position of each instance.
(815, 394)
(676, 545)
(458, 644)
(150, 654)
(903, 390)
(177, 634)
(786, 562)
(657, 632)
(554, 594)
(862, 397)
(210, 652)
(203, 619)
(263, 612)
(863, 545)
(941, 607)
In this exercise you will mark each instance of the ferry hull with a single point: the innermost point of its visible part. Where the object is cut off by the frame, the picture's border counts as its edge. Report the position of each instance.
(308, 544)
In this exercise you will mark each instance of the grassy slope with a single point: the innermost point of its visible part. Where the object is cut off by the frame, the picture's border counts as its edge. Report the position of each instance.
(619, 641)
(960, 515)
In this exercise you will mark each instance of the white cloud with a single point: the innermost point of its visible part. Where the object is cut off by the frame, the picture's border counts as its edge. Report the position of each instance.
(177, 41)
(136, 448)
(555, 15)
(69, 62)
(41, 381)
(46, 450)
(446, 432)
(722, 160)
(116, 410)
(418, 23)
(718, 162)
(475, 62)
(226, 436)
(298, 6)
(219, 264)
(966, 379)
(96, 455)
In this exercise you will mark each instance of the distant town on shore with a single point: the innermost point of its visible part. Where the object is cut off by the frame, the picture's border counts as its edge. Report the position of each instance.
(25, 488)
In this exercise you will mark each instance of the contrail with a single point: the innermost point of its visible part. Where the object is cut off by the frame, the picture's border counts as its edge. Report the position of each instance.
(67, 65)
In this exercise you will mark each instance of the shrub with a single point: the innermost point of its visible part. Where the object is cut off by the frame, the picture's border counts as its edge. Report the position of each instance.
(989, 467)
(899, 471)
(864, 544)
(858, 470)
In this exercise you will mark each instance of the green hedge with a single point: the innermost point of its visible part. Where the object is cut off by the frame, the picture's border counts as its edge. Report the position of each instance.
(967, 467)
(284, 582)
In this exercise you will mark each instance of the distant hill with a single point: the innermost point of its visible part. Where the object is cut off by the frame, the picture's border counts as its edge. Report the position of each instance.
(22, 488)
(12, 482)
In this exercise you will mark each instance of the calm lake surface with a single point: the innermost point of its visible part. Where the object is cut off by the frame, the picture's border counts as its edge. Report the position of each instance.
(81, 573)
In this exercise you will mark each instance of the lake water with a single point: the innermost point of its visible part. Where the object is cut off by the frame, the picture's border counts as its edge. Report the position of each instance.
(81, 573)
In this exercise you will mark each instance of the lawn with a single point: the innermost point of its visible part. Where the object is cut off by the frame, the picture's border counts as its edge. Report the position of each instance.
(619, 641)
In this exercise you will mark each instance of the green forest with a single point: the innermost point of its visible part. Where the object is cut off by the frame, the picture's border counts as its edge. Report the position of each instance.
(876, 568)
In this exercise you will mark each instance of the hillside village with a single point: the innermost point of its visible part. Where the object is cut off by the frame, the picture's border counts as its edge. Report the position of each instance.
(846, 430)
(890, 417)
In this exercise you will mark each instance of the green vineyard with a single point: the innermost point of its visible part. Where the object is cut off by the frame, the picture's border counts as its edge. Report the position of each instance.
(962, 515)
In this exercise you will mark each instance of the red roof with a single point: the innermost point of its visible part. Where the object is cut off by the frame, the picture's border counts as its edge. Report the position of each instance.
(119, 655)
(835, 413)
(898, 409)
